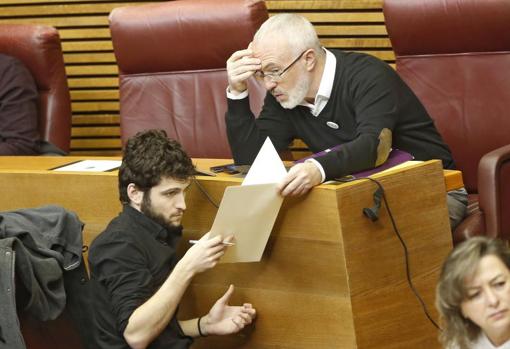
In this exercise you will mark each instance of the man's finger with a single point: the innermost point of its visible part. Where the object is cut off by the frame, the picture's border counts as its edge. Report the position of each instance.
(226, 297)
(213, 250)
(289, 177)
(229, 239)
(291, 187)
(242, 73)
(245, 317)
(215, 258)
(297, 187)
(248, 60)
(239, 54)
(251, 311)
(212, 240)
(237, 323)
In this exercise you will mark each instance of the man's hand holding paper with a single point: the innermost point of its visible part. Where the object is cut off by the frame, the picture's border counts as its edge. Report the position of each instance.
(300, 179)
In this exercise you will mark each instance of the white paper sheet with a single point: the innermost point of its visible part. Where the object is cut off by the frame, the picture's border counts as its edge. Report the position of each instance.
(91, 166)
(267, 167)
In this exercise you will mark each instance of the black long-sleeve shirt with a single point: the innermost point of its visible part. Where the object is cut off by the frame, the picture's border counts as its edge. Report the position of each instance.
(129, 262)
(18, 109)
(367, 96)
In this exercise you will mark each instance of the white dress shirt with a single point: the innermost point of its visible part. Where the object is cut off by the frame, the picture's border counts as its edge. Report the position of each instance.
(482, 342)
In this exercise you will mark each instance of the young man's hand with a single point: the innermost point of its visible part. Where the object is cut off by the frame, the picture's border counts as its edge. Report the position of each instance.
(203, 255)
(225, 319)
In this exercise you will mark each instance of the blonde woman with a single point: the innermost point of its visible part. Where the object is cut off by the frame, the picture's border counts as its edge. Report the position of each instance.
(473, 296)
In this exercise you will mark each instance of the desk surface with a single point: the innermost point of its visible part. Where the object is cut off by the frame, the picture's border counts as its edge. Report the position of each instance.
(453, 179)
(42, 163)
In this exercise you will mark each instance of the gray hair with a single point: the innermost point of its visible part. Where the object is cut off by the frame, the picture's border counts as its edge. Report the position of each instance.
(459, 332)
(295, 30)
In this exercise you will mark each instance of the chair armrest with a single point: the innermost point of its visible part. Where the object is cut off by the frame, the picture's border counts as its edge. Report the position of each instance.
(494, 192)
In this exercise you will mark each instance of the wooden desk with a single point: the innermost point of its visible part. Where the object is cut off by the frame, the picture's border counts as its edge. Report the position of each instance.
(329, 277)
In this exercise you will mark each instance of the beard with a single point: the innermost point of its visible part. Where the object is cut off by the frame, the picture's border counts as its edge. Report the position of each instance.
(297, 94)
(148, 210)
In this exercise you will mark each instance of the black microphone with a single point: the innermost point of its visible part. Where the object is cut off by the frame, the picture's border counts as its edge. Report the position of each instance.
(372, 213)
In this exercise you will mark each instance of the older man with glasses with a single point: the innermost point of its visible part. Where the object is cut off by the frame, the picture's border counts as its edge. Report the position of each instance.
(351, 108)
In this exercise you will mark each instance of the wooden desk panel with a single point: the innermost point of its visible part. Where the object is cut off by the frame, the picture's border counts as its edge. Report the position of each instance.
(347, 253)
(329, 277)
(375, 257)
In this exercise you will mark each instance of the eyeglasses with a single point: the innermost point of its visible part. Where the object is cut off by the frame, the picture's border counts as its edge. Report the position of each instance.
(276, 76)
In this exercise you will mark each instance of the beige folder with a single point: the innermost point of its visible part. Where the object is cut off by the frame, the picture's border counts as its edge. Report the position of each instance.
(248, 213)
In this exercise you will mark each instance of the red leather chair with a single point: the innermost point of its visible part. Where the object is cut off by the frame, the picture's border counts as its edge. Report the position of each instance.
(38, 47)
(455, 56)
(172, 59)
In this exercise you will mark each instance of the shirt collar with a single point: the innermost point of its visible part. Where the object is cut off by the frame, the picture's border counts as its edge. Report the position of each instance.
(328, 75)
(325, 86)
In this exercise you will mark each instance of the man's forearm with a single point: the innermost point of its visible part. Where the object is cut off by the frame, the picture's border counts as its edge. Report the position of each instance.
(190, 327)
(152, 317)
(351, 157)
(243, 134)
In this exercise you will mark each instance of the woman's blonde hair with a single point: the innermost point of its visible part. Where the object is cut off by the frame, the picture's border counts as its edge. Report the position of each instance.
(457, 331)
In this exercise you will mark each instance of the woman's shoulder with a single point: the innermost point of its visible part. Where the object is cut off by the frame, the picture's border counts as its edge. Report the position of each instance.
(482, 342)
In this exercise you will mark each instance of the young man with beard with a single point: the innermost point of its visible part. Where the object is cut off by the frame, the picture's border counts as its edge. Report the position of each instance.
(351, 105)
(137, 281)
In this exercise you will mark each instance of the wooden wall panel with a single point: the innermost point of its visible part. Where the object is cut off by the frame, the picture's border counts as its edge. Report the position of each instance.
(356, 25)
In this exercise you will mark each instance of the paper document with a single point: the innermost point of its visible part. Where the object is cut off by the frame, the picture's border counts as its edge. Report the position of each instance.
(267, 167)
(249, 211)
(91, 166)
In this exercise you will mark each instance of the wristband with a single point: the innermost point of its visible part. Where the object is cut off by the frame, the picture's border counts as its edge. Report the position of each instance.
(199, 329)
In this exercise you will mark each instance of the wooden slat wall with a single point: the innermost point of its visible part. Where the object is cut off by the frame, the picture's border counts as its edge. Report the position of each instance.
(356, 25)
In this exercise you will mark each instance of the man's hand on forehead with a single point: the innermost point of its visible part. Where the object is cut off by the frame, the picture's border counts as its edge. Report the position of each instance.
(240, 66)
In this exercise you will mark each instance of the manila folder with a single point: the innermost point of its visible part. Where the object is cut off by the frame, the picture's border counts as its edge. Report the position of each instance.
(247, 212)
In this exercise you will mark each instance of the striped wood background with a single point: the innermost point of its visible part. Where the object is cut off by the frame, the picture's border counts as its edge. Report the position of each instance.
(356, 25)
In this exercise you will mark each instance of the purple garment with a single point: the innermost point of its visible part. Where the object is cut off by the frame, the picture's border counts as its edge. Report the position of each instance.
(18, 109)
(395, 158)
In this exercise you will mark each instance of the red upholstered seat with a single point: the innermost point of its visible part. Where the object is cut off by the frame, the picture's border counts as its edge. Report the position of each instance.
(455, 56)
(172, 59)
(39, 48)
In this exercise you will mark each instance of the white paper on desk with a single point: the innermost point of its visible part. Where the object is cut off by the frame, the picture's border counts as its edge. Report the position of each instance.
(91, 166)
(248, 213)
(267, 167)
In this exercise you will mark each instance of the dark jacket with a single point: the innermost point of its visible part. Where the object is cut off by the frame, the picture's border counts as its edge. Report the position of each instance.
(19, 104)
(36, 245)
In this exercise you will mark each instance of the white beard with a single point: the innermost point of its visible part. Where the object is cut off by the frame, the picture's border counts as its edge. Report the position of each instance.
(297, 94)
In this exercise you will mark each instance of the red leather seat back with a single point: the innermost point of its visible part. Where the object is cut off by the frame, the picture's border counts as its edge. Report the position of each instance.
(455, 56)
(172, 59)
(39, 48)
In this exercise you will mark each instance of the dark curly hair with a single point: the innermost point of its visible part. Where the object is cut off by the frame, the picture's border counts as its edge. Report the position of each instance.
(149, 156)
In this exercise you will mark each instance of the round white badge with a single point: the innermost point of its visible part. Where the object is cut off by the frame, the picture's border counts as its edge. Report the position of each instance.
(332, 124)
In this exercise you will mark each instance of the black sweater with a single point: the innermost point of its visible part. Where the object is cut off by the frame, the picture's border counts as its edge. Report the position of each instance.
(367, 96)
